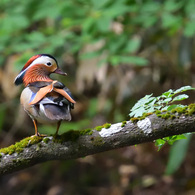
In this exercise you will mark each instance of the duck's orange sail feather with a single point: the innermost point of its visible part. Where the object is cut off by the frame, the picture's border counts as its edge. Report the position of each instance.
(45, 90)
(65, 94)
(41, 94)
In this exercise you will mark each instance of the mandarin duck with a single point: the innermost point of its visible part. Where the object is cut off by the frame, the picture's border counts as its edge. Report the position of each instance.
(45, 100)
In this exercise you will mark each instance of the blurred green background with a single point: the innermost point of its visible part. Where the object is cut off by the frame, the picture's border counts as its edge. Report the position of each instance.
(114, 52)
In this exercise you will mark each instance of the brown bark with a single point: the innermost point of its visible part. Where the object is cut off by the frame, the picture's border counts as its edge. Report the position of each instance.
(71, 146)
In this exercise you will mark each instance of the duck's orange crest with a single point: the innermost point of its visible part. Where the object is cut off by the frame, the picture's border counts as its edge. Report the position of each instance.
(30, 61)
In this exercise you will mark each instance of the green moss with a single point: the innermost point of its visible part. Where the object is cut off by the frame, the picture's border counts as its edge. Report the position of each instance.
(159, 115)
(39, 145)
(166, 116)
(180, 110)
(157, 112)
(187, 110)
(123, 123)
(46, 140)
(147, 114)
(173, 116)
(35, 140)
(19, 146)
(98, 128)
(134, 119)
(191, 109)
(0, 155)
(71, 135)
(174, 113)
(191, 106)
(19, 150)
(12, 149)
(107, 125)
(86, 132)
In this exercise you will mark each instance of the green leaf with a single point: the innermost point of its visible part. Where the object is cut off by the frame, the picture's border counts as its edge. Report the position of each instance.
(133, 45)
(138, 112)
(180, 97)
(114, 60)
(177, 154)
(104, 23)
(189, 29)
(167, 100)
(182, 89)
(168, 93)
(116, 9)
(159, 143)
(142, 101)
(36, 37)
(171, 107)
(143, 106)
(170, 20)
(151, 7)
(89, 55)
(98, 4)
(133, 60)
(172, 5)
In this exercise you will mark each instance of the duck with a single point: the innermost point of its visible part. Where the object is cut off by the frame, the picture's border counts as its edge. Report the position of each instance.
(46, 101)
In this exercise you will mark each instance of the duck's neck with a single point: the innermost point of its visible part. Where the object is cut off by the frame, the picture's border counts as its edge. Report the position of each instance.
(36, 74)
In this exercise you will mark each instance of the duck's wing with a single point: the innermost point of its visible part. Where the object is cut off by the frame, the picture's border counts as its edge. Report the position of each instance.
(40, 94)
(55, 92)
(55, 107)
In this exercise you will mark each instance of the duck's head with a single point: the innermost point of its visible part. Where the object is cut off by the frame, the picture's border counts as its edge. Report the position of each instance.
(38, 68)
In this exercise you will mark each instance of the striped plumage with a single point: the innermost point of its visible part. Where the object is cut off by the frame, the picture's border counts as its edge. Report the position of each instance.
(45, 100)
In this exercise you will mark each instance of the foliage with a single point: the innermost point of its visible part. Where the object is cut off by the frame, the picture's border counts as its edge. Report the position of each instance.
(166, 101)
(54, 27)
(175, 160)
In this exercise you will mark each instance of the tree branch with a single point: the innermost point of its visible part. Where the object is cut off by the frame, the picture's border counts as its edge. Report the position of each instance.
(75, 144)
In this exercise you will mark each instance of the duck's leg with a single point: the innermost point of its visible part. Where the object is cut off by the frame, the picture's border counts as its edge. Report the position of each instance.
(58, 126)
(36, 129)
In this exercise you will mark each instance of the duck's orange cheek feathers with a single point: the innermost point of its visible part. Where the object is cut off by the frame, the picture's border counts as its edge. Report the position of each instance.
(36, 73)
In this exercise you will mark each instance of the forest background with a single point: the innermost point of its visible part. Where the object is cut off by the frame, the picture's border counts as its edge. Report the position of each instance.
(115, 52)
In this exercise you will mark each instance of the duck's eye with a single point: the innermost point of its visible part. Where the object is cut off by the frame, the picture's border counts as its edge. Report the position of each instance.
(48, 63)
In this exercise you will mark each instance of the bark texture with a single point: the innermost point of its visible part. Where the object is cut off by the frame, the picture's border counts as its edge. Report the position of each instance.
(73, 145)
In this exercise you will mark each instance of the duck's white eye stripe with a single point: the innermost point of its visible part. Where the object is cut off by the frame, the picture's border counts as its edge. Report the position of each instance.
(42, 60)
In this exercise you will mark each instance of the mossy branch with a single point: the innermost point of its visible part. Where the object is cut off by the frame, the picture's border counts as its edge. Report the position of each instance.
(75, 144)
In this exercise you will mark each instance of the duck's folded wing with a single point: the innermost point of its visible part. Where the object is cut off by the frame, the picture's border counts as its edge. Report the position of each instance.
(54, 86)
(55, 107)
(41, 94)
